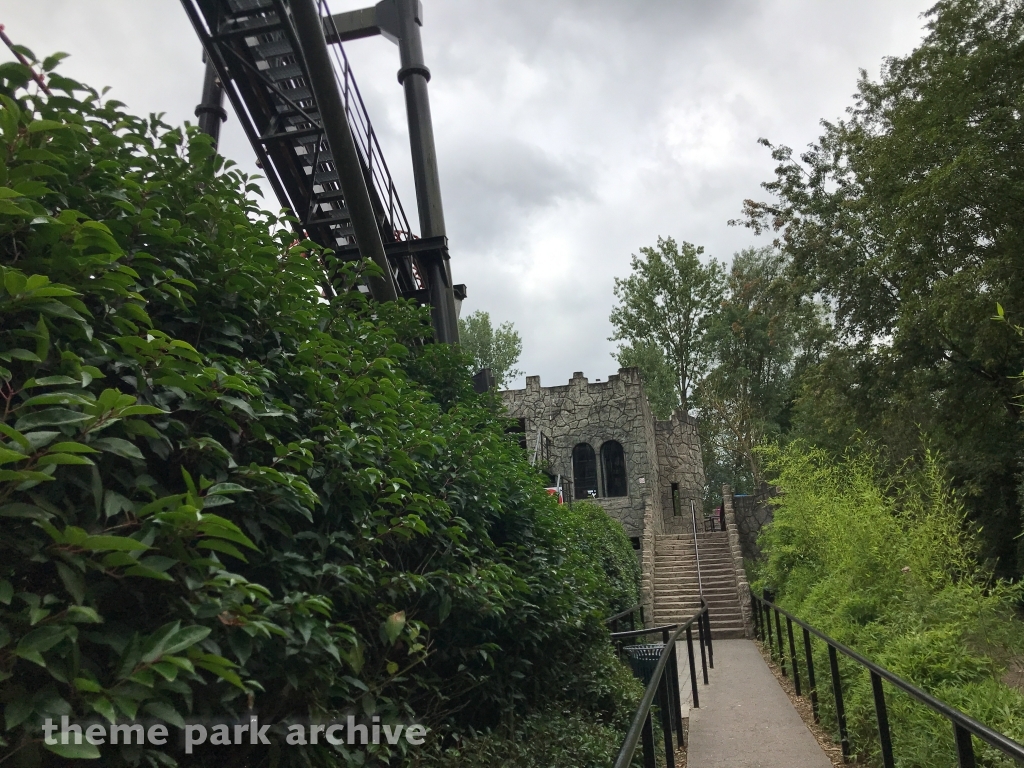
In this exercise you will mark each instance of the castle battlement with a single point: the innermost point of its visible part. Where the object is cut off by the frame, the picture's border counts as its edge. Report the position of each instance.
(605, 440)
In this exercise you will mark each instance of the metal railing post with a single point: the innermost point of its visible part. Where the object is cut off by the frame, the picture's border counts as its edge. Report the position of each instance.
(792, 656)
(768, 631)
(647, 740)
(711, 648)
(696, 550)
(810, 675)
(693, 668)
(672, 697)
(677, 697)
(664, 705)
(837, 691)
(964, 747)
(700, 640)
(882, 716)
(782, 650)
(755, 604)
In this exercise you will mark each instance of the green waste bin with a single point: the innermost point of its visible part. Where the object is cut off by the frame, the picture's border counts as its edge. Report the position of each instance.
(643, 659)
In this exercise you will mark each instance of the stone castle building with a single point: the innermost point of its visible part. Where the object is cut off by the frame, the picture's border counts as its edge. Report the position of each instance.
(603, 441)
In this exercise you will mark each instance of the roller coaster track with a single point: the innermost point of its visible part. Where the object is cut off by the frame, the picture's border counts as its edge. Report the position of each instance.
(255, 48)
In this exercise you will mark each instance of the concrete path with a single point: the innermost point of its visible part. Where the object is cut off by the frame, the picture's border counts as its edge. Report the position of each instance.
(745, 719)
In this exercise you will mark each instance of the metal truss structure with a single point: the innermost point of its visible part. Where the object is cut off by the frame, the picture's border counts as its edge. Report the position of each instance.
(282, 66)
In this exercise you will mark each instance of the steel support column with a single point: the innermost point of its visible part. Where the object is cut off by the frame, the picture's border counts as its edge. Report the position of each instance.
(210, 109)
(414, 76)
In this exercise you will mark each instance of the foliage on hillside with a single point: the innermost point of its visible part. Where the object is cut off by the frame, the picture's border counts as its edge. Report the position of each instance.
(906, 217)
(763, 337)
(230, 484)
(886, 565)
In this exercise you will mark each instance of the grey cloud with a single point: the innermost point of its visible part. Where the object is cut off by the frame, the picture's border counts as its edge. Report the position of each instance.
(495, 188)
(570, 132)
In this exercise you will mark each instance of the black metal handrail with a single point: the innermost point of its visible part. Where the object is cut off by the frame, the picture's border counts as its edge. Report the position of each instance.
(964, 726)
(632, 612)
(696, 551)
(365, 136)
(666, 688)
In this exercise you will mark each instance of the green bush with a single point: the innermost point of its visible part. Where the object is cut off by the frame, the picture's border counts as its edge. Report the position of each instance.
(887, 566)
(588, 736)
(540, 741)
(600, 542)
(229, 483)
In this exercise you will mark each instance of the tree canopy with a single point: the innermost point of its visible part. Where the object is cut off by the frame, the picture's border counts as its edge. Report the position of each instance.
(664, 306)
(488, 347)
(761, 337)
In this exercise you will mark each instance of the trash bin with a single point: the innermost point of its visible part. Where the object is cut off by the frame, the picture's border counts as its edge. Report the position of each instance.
(643, 659)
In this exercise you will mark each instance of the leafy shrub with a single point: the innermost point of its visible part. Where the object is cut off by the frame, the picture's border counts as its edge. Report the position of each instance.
(600, 542)
(541, 740)
(229, 483)
(887, 566)
(587, 736)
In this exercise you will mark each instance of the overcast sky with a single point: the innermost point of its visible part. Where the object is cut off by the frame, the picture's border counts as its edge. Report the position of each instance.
(570, 133)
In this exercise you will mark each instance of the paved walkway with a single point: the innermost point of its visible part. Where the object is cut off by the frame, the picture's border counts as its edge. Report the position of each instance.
(745, 719)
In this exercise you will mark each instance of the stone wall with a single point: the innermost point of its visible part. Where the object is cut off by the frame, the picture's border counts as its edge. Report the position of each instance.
(657, 453)
(679, 461)
(594, 412)
(752, 514)
(647, 553)
(742, 584)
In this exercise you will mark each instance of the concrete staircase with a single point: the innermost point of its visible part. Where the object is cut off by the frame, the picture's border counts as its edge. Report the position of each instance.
(676, 593)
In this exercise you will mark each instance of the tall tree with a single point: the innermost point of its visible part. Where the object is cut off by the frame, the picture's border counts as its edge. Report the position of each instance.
(657, 373)
(763, 333)
(495, 348)
(908, 217)
(666, 301)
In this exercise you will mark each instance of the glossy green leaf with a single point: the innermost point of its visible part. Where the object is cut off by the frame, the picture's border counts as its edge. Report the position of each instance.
(50, 417)
(118, 447)
(73, 581)
(63, 458)
(394, 625)
(222, 546)
(184, 638)
(165, 712)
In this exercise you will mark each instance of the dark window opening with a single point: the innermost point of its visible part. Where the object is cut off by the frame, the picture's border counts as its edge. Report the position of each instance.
(519, 429)
(635, 541)
(677, 502)
(613, 463)
(584, 471)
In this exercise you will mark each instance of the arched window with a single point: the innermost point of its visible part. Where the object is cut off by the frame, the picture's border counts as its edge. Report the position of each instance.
(613, 465)
(584, 471)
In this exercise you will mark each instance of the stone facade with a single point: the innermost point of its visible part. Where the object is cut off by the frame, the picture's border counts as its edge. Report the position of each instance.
(736, 551)
(752, 514)
(657, 454)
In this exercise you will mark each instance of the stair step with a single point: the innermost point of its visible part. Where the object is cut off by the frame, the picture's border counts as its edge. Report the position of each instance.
(674, 564)
(674, 569)
(678, 588)
(664, 601)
